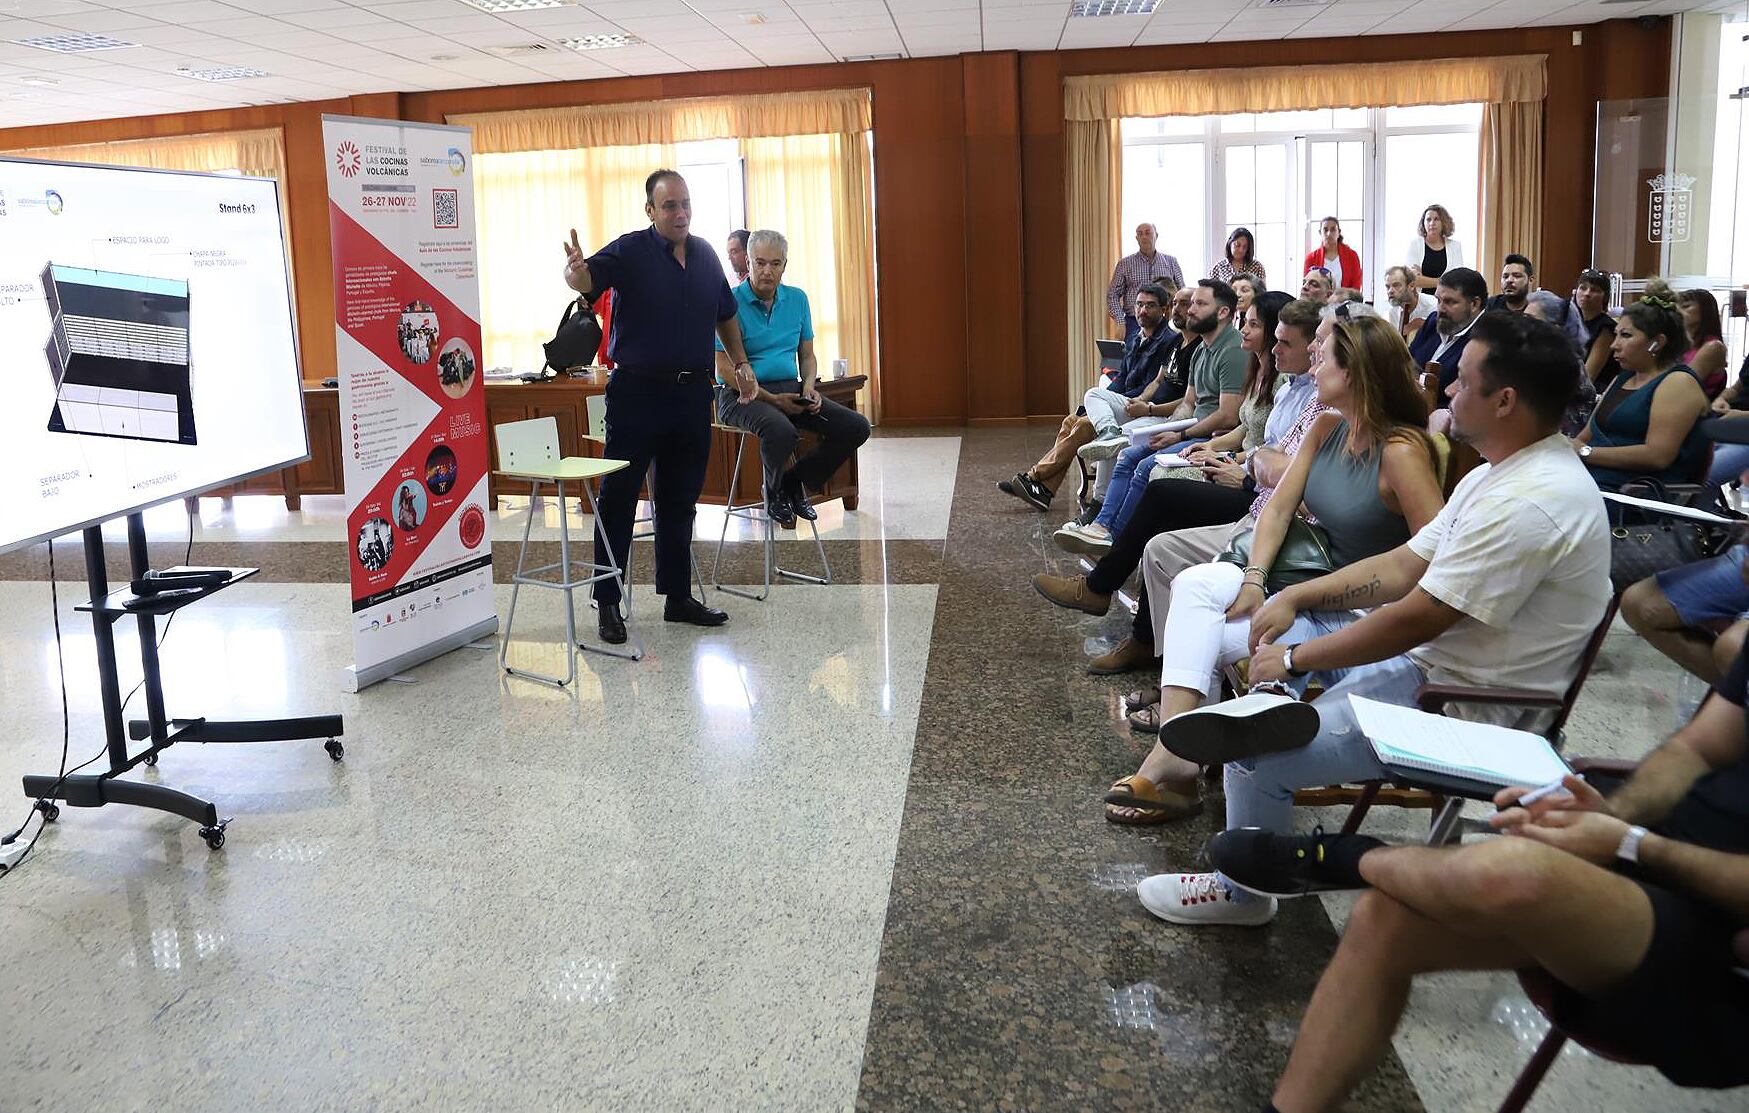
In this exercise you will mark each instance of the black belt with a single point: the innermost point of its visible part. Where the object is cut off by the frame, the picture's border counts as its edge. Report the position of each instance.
(683, 378)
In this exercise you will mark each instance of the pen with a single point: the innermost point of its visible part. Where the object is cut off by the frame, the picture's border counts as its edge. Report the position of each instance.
(1536, 794)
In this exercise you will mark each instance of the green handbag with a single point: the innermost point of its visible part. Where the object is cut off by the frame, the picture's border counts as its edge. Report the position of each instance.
(1304, 555)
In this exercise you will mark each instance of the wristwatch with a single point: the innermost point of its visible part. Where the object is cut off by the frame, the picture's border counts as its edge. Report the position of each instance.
(1629, 850)
(1584, 451)
(1287, 662)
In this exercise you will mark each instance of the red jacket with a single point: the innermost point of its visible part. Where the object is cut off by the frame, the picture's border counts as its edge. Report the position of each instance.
(1350, 276)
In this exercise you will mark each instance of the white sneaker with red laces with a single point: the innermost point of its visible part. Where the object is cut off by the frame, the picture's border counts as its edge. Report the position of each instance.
(1202, 898)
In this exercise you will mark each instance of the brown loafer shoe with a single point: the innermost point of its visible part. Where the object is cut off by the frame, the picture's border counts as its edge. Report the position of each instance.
(1127, 656)
(1071, 592)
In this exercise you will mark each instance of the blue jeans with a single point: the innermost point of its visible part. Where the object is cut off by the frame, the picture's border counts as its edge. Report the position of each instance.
(1260, 791)
(1129, 482)
(1729, 462)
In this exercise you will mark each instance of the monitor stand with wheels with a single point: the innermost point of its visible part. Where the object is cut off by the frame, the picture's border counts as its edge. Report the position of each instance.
(93, 790)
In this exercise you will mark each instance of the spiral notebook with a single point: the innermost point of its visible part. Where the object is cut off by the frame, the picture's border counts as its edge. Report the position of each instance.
(1404, 738)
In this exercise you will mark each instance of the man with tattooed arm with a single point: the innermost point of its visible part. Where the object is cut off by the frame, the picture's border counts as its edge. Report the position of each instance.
(1501, 590)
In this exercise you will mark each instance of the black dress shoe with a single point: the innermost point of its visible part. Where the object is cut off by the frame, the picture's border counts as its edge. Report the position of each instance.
(684, 608)
(777, 505)
(611, 626)
(798, 499)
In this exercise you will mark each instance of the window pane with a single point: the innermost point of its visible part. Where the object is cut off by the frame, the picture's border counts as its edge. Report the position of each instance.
(1317, 119)
(1320, 182)
(1157, 126)
(1241, 172)
(1345, 118)
(1272, 183)
(1423, 170)
(1163, 186)
(1427, 115)
(1240, 123)
(1350, 180)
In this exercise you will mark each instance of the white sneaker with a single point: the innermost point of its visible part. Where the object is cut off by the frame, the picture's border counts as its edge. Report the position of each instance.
(1261, 722)
(1103, 449)
(1201, 898)
(1076, 538)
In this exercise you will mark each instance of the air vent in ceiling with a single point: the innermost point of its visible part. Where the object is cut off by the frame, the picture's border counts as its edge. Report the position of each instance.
(496, 6)
(519, 50)
(1096, 9)
(1293, 3)
(886, 57)
(73, 43)
(222, 73)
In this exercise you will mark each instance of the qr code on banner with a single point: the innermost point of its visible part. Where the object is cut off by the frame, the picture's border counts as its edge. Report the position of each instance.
(445, 209)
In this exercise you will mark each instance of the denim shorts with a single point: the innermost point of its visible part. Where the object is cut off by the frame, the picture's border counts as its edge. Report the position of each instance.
(1707, 591)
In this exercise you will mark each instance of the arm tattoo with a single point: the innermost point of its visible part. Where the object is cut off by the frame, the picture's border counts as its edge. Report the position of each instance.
(1349, 598)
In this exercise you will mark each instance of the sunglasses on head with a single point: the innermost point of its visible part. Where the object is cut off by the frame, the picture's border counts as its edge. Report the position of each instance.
(1325, 271)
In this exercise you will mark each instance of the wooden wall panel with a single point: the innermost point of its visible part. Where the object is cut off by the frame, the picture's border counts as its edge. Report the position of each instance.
(969, 185)
(996, 292)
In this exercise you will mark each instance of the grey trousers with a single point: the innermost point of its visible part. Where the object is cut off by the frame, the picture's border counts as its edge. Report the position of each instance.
(841, 430)
(1168, 554)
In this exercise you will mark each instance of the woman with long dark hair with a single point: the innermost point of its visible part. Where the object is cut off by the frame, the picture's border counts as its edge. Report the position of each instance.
(1241, 258)
(1705, 355)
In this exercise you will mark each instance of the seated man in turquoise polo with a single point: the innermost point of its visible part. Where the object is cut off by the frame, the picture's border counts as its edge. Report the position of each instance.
(778, 331)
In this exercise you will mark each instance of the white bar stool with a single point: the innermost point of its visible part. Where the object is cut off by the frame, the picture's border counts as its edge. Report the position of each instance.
(596, 407)
(530, 450)
(755, 512)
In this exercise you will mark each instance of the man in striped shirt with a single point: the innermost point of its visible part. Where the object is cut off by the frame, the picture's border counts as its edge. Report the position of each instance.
(1135, 271)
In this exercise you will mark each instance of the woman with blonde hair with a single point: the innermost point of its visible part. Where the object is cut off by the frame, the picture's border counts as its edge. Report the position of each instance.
(1433, 252)
(1365, 474)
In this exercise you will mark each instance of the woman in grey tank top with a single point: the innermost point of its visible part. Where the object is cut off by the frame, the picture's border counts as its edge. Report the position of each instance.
(1365, 473)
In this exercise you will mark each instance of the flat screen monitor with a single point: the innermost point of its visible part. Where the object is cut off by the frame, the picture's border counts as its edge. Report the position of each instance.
(146, 328)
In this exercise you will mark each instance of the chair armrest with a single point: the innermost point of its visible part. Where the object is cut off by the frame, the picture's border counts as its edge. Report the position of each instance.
(1434, 697)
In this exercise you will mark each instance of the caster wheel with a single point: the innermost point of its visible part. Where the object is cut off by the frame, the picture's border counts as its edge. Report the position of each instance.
(214, 836)
(151, 760)
(51, 810)
(335, 749)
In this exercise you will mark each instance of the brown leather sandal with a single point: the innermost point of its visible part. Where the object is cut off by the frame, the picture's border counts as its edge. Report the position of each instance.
(1140, 698)
(1145, 720)
(1154, 804)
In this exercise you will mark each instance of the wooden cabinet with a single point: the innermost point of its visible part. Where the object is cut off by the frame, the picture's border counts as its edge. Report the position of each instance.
(563, 399)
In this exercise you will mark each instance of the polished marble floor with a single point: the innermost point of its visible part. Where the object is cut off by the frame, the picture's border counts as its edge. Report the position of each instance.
(842, 853)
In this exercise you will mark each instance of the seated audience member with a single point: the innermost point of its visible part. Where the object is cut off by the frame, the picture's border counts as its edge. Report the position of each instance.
(1433, 252)
(1502, 590)
(1135, 271)
(1706, 346)
(1591, 298)
(1236, 492)
(778, 331)
(1729, 432)
(1517, 280)
(1246, 287)
(1241, 259)
(1547, 306)
(1439, 345)
(1334, 255)
(1633, 906)
(737, 252)
(1648, 421)
(1211, 402)
(1257, 401)
(1317, 285)
(1364, 474)
(1408, 305)
(1148, 383)
(1695, 614)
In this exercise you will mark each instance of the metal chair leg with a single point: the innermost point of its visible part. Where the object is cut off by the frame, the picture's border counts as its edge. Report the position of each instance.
(751, 512)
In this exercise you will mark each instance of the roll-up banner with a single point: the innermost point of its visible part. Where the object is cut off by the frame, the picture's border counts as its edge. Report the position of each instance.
(412, 402)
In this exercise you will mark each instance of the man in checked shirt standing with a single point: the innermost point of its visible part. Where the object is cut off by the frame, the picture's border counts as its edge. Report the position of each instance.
(1135, 271)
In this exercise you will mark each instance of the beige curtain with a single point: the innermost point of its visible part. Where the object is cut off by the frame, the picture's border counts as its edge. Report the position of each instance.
(808, 175)
(260, 154)
(1511, 193)
(1093, 148)
(1511, 88)
(526, 204)
(837, 111)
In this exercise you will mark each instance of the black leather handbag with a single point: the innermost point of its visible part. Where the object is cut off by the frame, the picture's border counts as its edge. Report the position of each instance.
(1304, 555)
(577, 338)
(1643, 543)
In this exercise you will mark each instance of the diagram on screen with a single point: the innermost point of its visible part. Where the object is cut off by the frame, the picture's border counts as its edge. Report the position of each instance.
(118, 352)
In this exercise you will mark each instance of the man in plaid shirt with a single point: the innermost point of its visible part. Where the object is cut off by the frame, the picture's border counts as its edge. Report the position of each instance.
(1135, 271)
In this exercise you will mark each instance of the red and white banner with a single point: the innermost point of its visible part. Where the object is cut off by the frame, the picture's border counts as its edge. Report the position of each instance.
(412, 400)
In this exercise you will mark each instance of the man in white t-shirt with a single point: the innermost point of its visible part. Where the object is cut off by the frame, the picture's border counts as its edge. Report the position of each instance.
(1501, 590)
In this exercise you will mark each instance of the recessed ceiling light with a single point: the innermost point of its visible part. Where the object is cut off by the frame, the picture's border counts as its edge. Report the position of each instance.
(496, 6)
(33, 79)
(751, 17)
(602, 42)
(1092, 9)
(887, 56)
(73, 43)
(445, 57)
(222, 73)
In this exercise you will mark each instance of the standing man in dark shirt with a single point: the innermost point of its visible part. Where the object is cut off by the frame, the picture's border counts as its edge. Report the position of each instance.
(670, 296)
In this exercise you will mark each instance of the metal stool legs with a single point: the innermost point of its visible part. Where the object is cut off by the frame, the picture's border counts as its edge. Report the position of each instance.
(755, 512)
(565, 584)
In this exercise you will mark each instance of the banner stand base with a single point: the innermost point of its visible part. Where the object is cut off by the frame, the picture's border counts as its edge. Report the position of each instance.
(355, 679)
